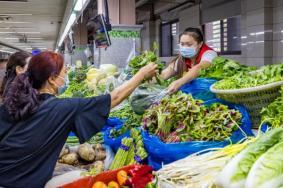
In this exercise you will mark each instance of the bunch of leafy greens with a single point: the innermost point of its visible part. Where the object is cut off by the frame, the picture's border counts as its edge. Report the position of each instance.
(266, 75)
(273, 113)
(239, 172)
(180, 118)
(77, 86)
(129, 116)
(224, 68)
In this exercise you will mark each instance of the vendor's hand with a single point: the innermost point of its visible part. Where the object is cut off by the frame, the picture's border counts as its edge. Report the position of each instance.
(149, 70)
(174, 86)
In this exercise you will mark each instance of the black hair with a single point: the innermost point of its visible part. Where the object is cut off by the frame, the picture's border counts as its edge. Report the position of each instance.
(16, 59)
(22, 99)
(196, 33)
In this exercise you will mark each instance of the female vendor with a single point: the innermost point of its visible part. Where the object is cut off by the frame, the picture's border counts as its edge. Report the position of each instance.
(34, 124)
(194, 56)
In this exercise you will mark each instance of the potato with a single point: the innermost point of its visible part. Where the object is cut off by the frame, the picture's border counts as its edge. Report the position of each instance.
(64, 151)
(71, 159)
(86, 152)
(100, 156)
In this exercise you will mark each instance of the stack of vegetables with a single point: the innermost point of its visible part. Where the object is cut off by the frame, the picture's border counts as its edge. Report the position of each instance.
(180, 118)
(266, 75)
(131, 151)
(198, 170)
(77, 87)
(85, 156)
(273, 113)
(224, 68)
(259, 165)
(129, 116)
(149, 57)
(145, 58)
(86, 81)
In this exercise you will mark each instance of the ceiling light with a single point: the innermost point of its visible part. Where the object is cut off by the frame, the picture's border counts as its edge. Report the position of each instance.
(35, 38)
(16, 14)
(7, 28)
(70, 22)
(5, 51)
(21, 32)
(11, 22)
(79, 5)
(11, 38)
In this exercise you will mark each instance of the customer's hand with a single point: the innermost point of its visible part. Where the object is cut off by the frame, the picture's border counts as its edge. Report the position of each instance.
(149, 70)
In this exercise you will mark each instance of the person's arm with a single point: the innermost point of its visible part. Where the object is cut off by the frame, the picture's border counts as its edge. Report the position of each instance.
(123, 91)
(168, 72)
(193, 73)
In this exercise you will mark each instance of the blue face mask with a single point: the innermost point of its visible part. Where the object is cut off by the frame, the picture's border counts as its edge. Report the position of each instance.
(188, 52)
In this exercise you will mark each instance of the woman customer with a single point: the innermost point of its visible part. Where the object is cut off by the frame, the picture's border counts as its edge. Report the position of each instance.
(17, 64)
(34, 124)
(194, 56)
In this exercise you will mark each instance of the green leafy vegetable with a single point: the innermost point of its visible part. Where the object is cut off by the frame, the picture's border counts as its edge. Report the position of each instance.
(236, 171)
(265, 75)
(273, 113)
(224, 68)
(180, 118)
(129, 116)
(267, 171)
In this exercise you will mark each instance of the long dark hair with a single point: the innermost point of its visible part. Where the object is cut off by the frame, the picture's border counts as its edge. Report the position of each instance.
(16, 59)
(22, 97)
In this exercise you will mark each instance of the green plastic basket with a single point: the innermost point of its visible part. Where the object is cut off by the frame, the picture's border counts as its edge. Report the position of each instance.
(254, 98)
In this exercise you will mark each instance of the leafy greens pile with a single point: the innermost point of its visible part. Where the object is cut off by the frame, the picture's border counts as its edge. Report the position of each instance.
(224, 68)
(265, 75)
(129, 116)
(180, 118)
(273, 113)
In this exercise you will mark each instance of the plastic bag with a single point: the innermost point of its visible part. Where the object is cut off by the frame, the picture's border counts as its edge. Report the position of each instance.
(109, 157)
(145, 95)
(199, 88)
(164, 153)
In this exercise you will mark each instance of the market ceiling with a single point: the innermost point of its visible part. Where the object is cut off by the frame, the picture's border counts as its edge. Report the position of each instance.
(30, 24)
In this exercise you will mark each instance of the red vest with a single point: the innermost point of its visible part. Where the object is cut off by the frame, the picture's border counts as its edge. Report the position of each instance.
(203, 49)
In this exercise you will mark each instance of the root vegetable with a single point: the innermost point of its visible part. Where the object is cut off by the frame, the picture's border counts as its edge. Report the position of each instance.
(86, 152)
(100, 156)
(71, 159)
(64, 151)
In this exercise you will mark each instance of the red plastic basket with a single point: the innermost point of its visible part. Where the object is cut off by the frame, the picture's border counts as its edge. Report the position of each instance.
(105, 177)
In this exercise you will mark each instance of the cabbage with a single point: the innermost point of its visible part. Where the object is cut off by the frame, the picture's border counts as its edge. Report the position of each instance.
(236, 171)
(267, 171)
(109, 69)
(98, 76)
(92, 71)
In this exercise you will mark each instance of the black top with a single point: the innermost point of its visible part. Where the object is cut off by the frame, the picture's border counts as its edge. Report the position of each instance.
(28, 156)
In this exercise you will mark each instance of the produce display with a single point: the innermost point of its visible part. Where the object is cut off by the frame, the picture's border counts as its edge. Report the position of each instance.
(145, 58)
(131, 151)
(84, 156)
(129, 116)
(89, 81)
(180, 118)
(199, 170)
(273, 113)
(256, 165)
(265, 75)
(255, 162)
(224, 68)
